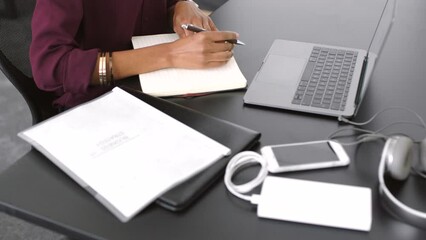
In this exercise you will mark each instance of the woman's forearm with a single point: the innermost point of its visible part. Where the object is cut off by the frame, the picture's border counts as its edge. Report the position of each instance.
(137, 61)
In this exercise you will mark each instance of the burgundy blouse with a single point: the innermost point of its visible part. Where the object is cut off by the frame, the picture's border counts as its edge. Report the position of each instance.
(68, 34)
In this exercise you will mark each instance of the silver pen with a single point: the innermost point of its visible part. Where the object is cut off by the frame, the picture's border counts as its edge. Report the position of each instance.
(193, 28)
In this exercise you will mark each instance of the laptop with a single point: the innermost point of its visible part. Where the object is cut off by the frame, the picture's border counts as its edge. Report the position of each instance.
(314, 78)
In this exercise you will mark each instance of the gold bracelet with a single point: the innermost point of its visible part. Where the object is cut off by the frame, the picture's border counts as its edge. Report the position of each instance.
(111, 76)
(102, 69)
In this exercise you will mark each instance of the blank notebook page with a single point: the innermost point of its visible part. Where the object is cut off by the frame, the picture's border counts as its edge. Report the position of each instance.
(173, 81)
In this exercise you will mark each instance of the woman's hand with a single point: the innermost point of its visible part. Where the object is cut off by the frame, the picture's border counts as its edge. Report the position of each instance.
(186, 12)
(202, 50)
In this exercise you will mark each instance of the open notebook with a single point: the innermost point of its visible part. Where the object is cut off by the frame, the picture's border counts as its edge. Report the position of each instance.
(123, 151)
(175, 82)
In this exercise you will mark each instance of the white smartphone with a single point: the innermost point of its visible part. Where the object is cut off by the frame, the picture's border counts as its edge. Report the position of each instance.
(304, 156)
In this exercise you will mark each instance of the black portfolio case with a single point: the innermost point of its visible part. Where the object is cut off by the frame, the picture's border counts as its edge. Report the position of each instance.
(235, 137)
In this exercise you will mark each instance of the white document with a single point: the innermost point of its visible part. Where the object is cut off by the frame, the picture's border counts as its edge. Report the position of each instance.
(318, 203)
(123, 151)
(173, 81)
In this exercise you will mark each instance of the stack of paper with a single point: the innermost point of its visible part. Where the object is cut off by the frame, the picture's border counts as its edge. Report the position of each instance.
(123, 151)
(173, 81)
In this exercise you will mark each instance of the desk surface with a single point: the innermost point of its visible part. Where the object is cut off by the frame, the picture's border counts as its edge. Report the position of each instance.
(34, 189)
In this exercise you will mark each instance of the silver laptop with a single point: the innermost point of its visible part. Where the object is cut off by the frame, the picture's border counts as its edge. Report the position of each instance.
(315, 78)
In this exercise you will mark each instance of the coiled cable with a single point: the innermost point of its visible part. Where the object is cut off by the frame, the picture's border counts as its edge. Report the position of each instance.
(238, 162)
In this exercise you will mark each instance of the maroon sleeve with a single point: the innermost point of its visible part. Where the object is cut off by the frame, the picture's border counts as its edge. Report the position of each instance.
(58, 63)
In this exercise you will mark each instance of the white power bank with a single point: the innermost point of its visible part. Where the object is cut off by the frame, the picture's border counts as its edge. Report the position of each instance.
(318, 203)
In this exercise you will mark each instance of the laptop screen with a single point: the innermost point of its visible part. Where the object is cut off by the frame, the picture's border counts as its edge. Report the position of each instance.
(378, 40)
(384, 23)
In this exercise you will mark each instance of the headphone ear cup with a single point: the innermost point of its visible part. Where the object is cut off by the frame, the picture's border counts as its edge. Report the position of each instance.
(398, 156)
(423, 154)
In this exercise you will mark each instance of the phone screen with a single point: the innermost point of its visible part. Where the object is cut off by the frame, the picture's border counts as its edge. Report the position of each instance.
(304, 154)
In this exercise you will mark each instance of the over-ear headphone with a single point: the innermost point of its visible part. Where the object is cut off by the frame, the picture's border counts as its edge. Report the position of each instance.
(396, 162)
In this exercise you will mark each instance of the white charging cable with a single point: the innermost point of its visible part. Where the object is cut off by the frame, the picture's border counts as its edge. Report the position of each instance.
(422, 122)
(370, 135)
(238, 162)
(250, 158)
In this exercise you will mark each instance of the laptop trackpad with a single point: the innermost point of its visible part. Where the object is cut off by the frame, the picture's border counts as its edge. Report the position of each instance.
(282, 70)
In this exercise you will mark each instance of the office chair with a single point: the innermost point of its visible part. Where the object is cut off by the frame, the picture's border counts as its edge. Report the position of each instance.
(9, 9)
(15, 34)
(39, 102)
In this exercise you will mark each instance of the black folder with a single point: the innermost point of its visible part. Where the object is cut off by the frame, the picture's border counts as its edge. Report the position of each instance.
(234, 136)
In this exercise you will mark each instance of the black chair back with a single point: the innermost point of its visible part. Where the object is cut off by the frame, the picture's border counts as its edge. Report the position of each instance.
(39, 102)
(15, 36)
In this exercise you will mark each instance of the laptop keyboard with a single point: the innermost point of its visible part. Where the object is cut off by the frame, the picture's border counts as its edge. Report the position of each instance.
(327, 78)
